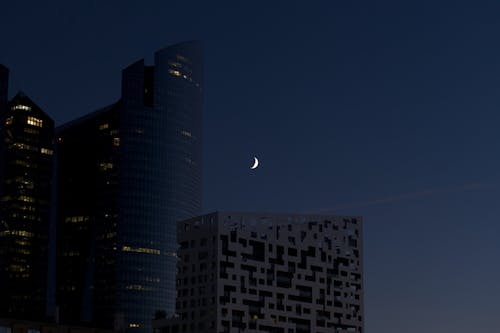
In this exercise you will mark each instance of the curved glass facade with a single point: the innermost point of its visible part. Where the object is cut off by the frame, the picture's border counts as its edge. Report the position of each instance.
(155, 156)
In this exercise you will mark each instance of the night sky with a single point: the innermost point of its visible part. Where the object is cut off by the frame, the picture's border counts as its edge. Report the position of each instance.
(388, 110)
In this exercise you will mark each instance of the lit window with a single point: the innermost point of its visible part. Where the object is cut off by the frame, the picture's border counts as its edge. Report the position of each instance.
(174, 72)
(186, 133)
(31, 130)
(175, 64)
(34, 121)
(46, 151)
(17, 268)
(133, 325)
(9, 121)
(21, 107)
(105, 166)
(76, 219)
(116, 142)
(21, 233)
(135, 287)
(140, 250)
(103, 126)
(26, 198)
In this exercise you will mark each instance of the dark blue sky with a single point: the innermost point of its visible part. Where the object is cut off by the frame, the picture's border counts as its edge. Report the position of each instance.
(389, 110)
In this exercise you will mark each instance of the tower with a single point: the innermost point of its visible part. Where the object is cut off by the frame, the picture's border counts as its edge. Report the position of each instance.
(127, 174)
(26, 135)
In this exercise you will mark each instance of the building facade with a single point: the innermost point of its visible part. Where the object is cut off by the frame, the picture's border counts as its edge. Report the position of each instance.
(126, 175)
(241, 272)
(26, 158)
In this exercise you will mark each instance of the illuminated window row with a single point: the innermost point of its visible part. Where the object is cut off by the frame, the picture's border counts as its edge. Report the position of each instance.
(34, 122)
(174, 72)
(46, 151)
(22, 243)
(105, 166)
(16, 233)
(140, 250)
(21, 107)
(17, 268)
(26, 198)
(137, 287)
(103, 126)
(30, 130)
(23, 163)
(76, 219)
(24, 146)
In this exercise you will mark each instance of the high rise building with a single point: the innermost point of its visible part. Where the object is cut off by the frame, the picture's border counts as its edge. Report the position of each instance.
(248, 272)
(26, 159)
(126, 174)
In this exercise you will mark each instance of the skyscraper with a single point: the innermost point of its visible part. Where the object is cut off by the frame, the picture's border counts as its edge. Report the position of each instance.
(126, 174)
(26, 158)
(277, 273)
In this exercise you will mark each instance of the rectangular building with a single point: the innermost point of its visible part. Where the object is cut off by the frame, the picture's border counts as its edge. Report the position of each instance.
(268, 273)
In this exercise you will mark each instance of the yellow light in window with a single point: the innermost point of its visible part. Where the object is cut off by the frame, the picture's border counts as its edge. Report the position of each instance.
(174, 72)
(116, 142)
(46, 151)
(140, 250)
(21, 107)
(26, 198)
(34, 121)
(9, 121)
(106, 166)
(103, 126)
(21, 233)
(133, 325)
(138, 287)
(76, 219)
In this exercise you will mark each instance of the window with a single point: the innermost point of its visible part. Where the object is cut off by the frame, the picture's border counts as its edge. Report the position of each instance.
(21, 107)
(46, 151)
(34, 121)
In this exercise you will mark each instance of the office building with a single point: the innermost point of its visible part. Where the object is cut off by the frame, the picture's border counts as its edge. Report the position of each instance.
(126, 174)
(247, 272)
(26, 161)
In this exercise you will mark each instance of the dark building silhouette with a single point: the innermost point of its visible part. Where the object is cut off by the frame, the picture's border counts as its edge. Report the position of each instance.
(4, 87)
(26, 159)
(126, 174)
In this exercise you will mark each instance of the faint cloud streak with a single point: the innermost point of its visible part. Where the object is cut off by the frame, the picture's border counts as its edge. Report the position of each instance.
(406, 196)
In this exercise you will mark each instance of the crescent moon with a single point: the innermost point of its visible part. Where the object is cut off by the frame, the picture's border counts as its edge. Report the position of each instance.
(255, 163)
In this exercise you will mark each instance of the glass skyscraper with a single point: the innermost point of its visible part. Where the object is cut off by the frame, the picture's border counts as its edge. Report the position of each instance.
(126, 174)
(26, 161)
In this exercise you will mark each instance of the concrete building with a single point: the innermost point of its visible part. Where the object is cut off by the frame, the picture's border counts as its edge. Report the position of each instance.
(248, 272)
